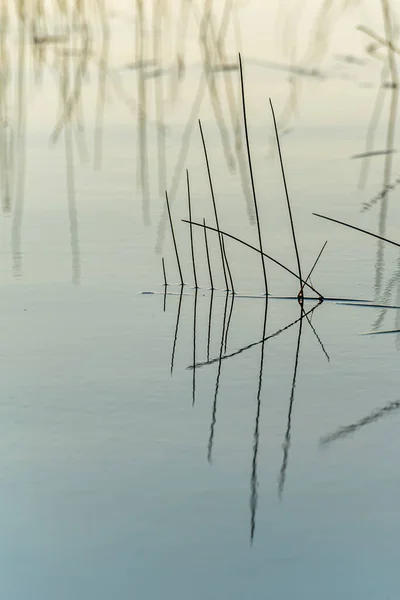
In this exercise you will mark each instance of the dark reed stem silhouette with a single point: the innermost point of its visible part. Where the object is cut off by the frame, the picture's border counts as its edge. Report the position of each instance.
(233, 237)
(252, 177)
(286, 444)
(191, 230)
(214, 204)
(194, 346)
(287, 198)
(375, 235)
(208, 255)
(165, 299)
(228, 268)
(173, 238)
(371, 418)
(164, 273)
(215, 401)
(256, 438)
(308, 278)
(178, 317)
(209, 323)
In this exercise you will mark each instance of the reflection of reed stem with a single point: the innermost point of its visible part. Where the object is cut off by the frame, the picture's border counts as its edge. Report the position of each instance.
(194, 346)
(286, 444)
(178, 317)
(209, 323)
(214, 410)
(256, 438)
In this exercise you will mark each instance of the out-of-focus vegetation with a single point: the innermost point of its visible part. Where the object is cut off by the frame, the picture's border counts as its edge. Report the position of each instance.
(73, 40)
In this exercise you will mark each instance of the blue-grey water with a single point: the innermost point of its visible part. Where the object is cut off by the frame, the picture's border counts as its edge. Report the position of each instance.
(271, 470)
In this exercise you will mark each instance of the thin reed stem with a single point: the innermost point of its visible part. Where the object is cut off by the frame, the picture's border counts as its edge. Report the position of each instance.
(233, 237)
(375, 235)
(209, 324)
(191, 230)
(214, 204)
(252, 177)
(194, 346)
(228, 268)
(313, 267)
(174, 239)
(208, 254)
(287, 197)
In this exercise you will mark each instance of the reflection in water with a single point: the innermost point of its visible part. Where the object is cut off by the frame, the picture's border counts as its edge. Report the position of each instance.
(371, 418)
(194, 346)
(20, 155)
(228, 323)
(256, 437)
(212, 46)
(70, 179)
(158, 19)
(389, 66)
(214, 408)
(309, 319)
(101, 88)
(389, 142)
(191, 230)
(209, 323)
(82, 32)
(72, 209)
(178, 317)
(142, 152)
(71, 98)
(253, 344)
(286, 444)
(322, 28)
(222, 355)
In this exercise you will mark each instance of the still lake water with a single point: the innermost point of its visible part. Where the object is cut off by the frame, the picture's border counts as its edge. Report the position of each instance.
(271, 472)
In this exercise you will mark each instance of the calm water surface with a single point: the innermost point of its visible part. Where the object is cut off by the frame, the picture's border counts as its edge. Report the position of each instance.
(270, 470)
